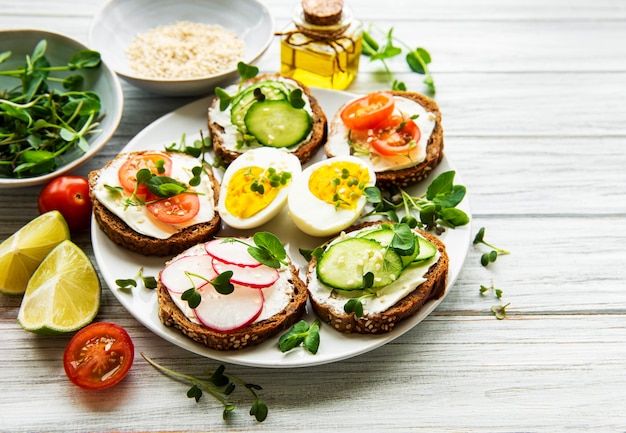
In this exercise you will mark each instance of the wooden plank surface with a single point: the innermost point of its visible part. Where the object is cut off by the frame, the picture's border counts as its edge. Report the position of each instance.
(533, 95)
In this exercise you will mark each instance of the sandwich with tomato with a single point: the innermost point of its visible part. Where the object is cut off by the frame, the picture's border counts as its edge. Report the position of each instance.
(398, 132)
(155, 203)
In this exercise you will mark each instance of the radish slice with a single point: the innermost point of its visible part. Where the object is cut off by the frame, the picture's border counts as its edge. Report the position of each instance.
(257, 277)
(174, 278)
(225, 313)
(234, 253)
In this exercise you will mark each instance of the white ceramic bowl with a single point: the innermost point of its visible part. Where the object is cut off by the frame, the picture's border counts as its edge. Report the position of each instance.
(102, 80)
(119, 22)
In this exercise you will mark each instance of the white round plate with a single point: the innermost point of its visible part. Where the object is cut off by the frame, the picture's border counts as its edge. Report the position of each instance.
(120, 21)
(117, 263)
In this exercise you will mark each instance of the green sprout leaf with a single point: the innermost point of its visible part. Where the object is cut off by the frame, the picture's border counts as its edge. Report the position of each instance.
(301, 334)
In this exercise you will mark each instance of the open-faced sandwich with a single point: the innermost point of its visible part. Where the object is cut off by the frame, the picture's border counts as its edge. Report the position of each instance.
(369, 279)
(155, 203)
(221, 296)
(267, 111)
(399, 133)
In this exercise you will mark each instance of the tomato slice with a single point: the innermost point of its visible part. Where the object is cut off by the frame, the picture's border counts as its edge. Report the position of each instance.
(175, 210)
(127, 173)
(367, 112)
(99, 356)
(395, 136)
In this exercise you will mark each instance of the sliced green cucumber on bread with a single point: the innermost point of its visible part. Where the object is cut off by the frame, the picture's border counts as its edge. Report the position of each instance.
(379, 268)
(267, 111)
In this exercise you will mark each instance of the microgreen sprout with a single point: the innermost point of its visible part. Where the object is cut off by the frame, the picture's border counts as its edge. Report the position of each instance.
(436, 208)
(269, 177)
(267, 249)
(499, 311)
(148, 282)
(219, 385)
(496, 292)
(246, 72)
(221, 283)
(355, 305)
(196, 149)
(417, 59)
(301, 334)
(492, 255)
(40, 125)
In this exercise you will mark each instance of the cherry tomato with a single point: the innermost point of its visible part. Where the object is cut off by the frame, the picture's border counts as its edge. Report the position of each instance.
(368, 111)
(99, 356)
(128, 171)
(397, 136)
(177, 209)
(69, 195)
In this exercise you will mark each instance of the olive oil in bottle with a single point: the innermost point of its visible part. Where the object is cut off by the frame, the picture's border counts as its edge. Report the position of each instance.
(323, 45)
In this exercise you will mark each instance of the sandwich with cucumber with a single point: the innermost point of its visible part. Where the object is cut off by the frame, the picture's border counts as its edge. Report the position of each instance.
(370, 278)
(268, 110)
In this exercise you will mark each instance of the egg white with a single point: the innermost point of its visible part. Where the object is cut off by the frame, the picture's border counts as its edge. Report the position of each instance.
(264, 157)
(317, 217)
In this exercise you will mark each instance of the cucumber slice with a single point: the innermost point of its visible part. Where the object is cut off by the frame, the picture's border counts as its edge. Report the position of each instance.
(272, 90)
(278, 123)
(344, 263)
(384, 237)
(426, 250)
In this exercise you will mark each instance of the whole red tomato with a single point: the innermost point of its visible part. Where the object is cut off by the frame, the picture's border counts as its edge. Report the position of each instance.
(69, 194)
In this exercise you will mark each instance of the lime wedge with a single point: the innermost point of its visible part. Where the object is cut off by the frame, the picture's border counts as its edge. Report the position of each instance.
(23, 251)
(63, 294)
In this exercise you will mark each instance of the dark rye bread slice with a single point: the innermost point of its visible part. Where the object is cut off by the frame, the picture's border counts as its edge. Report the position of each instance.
(384, 322)
(434, 148)
(251, 335)
(119, 232)
(304, 151)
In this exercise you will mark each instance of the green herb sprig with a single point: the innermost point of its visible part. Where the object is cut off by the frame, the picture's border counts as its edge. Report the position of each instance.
(148, 282)
(219, 385)
(301, 334)
(267, 249)
(221, 283)
(499, 311)
(246, 72)
(417, 59)
(436, 208)
(492, 288)
(40, 126)
(491, 256)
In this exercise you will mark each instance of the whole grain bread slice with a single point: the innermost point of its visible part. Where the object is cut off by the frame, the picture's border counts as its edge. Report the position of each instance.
(119, 232)
(433, 288)
(304, 151)
(251, 335)
(434, 149)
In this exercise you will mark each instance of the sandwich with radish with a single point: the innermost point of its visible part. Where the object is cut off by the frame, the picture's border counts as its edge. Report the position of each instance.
(231, 293)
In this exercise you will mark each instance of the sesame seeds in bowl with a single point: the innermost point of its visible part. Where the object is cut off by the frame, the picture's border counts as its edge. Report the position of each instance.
(182, 48)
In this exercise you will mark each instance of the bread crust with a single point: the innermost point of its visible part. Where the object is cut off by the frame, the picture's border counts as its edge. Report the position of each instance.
(304, 152)
(251, 335)
(433, 288)
(119, 232)
(434, 148)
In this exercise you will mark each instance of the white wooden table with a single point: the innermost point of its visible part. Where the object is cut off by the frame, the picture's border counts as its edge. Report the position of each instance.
(533, 95)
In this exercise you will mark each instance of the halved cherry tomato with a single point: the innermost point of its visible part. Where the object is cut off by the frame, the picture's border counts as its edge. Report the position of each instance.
(99, 356)
(395, 135)
(127, 173)
(368, 111)
(69, 194)
(175, 210)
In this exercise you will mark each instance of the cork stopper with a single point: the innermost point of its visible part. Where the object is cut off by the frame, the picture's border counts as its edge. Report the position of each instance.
(322, 12)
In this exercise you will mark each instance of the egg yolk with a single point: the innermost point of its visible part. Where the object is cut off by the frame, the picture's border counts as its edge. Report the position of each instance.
(339, 183)
(252, 189)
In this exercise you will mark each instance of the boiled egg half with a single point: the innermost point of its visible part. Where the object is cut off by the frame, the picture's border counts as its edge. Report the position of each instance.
(255, 186)
(329, 195)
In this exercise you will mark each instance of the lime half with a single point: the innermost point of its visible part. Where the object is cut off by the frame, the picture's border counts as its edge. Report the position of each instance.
(23, 251)
(63, 294)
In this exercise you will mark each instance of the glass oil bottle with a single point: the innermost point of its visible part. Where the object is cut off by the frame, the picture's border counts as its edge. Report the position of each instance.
(322, 47)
